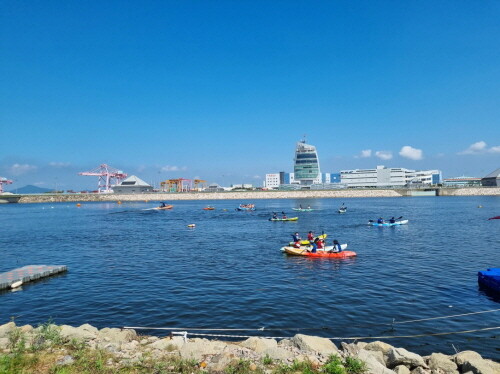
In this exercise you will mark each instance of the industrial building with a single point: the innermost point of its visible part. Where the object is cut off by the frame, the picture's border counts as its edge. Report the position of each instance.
(492, 179)
(132, 185)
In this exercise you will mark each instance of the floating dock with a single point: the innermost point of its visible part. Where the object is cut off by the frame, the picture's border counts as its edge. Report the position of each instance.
(16, 277)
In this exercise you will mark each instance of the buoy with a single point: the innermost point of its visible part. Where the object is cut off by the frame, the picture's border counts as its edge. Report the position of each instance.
(118, 202)
(78, 205)
(16, 284)
(479, 206)
(192, 225)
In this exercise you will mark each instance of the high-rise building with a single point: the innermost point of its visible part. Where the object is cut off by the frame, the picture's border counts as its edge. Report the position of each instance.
(306, 164)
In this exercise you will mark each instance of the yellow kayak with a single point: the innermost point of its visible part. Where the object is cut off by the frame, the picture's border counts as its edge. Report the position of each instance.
(306, 242)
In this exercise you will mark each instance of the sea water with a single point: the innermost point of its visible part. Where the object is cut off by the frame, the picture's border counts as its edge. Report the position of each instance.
(129, 266)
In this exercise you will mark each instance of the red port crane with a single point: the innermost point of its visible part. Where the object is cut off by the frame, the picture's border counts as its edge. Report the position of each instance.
(2, 182)
(107, 175)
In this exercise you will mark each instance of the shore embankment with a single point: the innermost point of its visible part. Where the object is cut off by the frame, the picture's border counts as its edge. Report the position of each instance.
(247, 196)
(50, 348)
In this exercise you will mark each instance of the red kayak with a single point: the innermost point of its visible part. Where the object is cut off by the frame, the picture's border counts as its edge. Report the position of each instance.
(497, 217)
(303, 252)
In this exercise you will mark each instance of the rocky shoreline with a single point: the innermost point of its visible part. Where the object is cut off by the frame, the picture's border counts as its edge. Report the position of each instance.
(123, 350)
(252, 195)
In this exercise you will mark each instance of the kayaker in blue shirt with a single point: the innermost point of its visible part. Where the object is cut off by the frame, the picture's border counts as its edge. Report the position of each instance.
(275, 215)
(296, 237)
(392, 220)
(336, 246)
(380, 220)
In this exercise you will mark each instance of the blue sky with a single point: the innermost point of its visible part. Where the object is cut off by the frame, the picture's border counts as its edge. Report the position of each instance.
(222, 90)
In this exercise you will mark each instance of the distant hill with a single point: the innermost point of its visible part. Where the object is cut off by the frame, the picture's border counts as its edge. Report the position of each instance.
(29, 189)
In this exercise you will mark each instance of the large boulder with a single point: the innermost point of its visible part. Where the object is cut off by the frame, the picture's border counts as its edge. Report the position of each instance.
(401, 369)
(315, 344)
(79, 333)
(440, 363)
(378, 346)
(479, 367)
(472, 361)
(278, 353)
(6, 329)
(198, 348)
(372, 364)
(115, 335)
(168, 344)
(259, 345)
(400, 356)
(462, 357)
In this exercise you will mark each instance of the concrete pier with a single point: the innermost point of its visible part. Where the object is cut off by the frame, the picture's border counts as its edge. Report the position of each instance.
(29, 273)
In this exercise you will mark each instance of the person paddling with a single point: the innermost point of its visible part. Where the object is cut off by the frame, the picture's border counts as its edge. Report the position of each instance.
(380, 220)
(392, 220)
(310, 236)
(336, 246)
(296, 237)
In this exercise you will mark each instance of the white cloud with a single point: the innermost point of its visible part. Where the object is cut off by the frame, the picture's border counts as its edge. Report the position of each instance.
(173, 168)
(411, 153)
(59, 164)
(384, 155)
(257, 177)
(365, 153)
(495, 149)
(18, 169)
(480, 148)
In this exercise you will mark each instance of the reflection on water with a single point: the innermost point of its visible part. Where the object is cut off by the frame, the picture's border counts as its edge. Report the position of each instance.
(131, 266)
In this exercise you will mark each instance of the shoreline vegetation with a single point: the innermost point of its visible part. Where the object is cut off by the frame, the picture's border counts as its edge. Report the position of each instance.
(64, 349)
(260, 195)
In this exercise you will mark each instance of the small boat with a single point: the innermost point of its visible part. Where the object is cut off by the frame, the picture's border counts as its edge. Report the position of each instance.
(284, 219)
(166, 207)
(191, 225)
(489, 278)
(497, 217)
(342, 209)
(320, 253)
(209, 208)
(246, 207)
(308, 247)
(303, 209)
(375, 223)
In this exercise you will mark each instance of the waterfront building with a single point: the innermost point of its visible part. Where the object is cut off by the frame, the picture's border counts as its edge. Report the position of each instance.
(389, 177)
(461, 182)
(132, 185)
(306, 164)
(214, 187)
(492, 179)
(272, 180)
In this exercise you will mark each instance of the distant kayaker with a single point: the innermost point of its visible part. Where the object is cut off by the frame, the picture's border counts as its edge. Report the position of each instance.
(392, 220)
(163, 205)
(310, 236)
(300, 206)
(275, 215)
(380, 220)
(284, 215)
